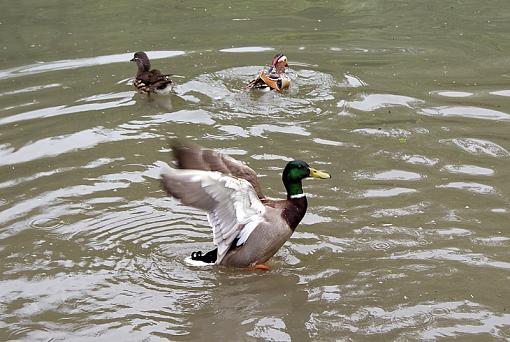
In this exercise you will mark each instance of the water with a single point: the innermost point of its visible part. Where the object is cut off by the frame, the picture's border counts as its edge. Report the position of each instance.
(405, 103)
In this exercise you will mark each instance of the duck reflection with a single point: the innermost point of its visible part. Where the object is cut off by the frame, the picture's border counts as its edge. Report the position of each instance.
(253, 303)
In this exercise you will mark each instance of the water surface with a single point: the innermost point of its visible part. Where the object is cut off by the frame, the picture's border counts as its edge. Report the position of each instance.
(405, 103)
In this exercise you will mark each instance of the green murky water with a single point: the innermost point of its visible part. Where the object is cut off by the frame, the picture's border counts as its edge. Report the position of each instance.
(405, 103)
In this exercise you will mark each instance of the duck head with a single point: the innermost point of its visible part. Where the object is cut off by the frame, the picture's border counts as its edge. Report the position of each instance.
(280, 63)
(294, 172)
(142, 61)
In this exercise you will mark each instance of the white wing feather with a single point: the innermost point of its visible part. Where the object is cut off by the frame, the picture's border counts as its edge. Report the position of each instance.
(233, 207)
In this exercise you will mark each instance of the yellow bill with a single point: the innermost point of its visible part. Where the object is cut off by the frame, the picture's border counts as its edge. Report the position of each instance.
(319, 174)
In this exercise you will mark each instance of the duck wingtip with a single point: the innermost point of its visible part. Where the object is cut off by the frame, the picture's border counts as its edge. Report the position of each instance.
(197, 263)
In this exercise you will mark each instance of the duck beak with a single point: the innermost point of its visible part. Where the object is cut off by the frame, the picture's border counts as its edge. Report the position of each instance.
(133, 59)
(319, 174)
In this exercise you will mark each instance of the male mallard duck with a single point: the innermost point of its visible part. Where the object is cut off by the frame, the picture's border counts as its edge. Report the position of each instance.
(274, 78)
(248, 228)
(149, 81)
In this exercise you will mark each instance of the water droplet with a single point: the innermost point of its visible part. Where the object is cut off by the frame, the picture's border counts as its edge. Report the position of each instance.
(440, 311)
(423, 242)
(380, 245)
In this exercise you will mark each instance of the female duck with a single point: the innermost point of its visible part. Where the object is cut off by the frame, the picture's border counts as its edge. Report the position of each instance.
(272, 78)
(248, 228)
(149, 81)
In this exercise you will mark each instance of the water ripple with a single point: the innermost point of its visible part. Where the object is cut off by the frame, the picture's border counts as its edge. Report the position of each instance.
(469, 186)
(467, 112)
(469, 170)
(389, 192)
(470, 318)
(453, 232)
(453, 254)
(380, 132)
(46, 222)
(390, 175)
(31, 89)
(247, 49)
(330, 142)
(414, 209)
(227, 85)
(80, 63)
(423, 321)
(501, 93)
(381, 245)
(493, 241)
(414, 159)
(259, 130)
(270, 329)
(372, 102)
(122, 99)
(57, 145)
(198, 116)
(479, 147)
(450, 93)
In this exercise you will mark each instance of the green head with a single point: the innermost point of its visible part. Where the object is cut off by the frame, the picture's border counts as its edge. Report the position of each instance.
(294, 172)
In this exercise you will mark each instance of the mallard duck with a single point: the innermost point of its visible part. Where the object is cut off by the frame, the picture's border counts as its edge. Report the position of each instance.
(149, 81)
(272, 78)
(248, 228)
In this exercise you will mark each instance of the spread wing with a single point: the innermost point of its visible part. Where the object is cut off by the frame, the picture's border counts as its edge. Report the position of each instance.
(191, 156)
(233, 207)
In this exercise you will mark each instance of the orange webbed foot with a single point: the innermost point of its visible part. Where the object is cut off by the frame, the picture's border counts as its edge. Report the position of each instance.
(262, 267)
(258, 267)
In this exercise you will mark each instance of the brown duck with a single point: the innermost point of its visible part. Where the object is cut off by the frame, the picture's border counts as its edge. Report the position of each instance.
(149, 81)
(248, 228)
(273, 78)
